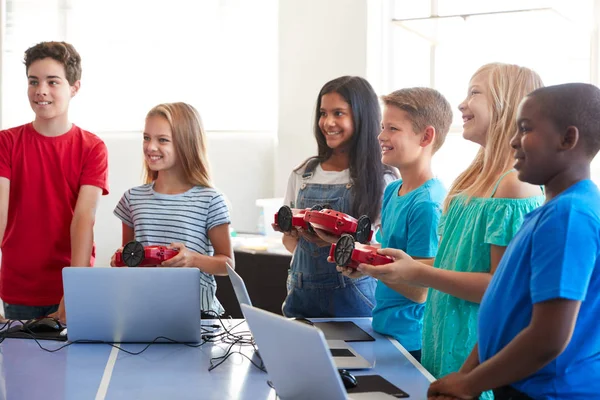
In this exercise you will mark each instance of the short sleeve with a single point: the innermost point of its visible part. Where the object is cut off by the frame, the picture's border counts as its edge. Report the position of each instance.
(422, 235)
(6, 146)
(218, 213)
(95, 168)
(123, 210)
(390, 189)
(292, 190)
(505, 217)
(564, 253)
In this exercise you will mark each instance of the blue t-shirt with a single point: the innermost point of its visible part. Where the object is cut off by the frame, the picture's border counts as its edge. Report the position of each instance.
(556, 254)
(408, 223)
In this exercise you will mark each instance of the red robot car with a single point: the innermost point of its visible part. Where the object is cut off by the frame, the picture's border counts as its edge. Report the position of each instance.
(347, 253)
(134, 254)
(288, 218)
(337, 223)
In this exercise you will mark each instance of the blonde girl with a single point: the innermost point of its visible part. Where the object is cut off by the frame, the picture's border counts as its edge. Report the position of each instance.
(177, 206)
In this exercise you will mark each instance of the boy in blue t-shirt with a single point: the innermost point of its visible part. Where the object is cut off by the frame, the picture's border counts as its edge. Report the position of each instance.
(538, 322)
(415, 124)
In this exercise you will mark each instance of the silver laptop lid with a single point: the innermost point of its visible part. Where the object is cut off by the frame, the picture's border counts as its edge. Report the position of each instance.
(296, 356)
(239, 287)
(132, 304)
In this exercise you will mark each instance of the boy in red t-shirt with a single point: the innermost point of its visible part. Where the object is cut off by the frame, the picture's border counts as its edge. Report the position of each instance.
(52, 174)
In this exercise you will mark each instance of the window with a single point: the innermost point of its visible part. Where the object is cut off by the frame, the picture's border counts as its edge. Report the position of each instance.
(441, 43)
(218, 55)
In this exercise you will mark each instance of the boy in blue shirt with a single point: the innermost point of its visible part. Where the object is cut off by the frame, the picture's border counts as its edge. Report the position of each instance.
(538, 329)
(415, 124)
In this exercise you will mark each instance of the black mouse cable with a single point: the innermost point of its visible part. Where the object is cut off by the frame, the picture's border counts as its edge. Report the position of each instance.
(6, 327)
(84, 341)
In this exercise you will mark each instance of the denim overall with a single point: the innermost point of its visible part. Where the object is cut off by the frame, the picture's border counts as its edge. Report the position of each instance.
(315, 288)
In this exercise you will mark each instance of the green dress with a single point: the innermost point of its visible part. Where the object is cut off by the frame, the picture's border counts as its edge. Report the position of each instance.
(467, 230)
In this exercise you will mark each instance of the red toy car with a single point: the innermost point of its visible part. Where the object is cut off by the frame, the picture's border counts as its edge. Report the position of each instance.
(338, 223)
(347, 253)
(134, 254)
(287, 218)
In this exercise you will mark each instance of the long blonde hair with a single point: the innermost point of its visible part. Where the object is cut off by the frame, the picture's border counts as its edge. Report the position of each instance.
(508, 84)
(189, 141)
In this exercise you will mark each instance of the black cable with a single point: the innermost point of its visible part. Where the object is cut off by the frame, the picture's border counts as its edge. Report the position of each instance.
(270, 384)
(213, 366)
(243, 338)
(227, 337)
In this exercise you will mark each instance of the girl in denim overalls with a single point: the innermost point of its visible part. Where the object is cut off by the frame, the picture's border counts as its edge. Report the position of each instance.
(347, 174)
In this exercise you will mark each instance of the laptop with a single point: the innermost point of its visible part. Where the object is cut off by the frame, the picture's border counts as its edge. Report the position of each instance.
(297, 358)
(132, 305)
(239, 287)
(343, 355)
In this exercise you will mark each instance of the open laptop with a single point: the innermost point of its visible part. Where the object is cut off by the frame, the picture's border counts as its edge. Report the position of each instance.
(297, 358)
(344, 356)
(134, 305)
(239, 287)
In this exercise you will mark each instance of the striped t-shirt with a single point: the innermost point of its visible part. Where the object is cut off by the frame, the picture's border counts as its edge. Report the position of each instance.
(162, 219)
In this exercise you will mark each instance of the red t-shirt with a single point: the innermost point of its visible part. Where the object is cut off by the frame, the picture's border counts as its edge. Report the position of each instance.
(45, 175)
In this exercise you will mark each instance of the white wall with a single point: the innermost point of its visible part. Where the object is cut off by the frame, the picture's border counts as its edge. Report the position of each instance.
(318, 41)
(241, 166)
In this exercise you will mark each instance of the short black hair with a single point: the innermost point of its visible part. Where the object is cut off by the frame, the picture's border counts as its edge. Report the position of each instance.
(573, 104)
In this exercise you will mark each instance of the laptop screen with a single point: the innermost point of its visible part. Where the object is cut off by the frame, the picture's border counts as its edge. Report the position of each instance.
(132, 304)
(239, 287)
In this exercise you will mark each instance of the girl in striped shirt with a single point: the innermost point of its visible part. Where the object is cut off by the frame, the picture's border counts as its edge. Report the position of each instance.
(177, 207)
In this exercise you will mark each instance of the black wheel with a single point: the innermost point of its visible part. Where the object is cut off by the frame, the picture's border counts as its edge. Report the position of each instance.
(316, 207)
(284, 218)
(133, 254)
(343, 250)
(363, 229)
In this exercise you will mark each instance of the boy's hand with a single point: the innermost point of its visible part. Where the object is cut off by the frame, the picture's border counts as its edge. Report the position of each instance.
(185, 258)
(60, 315)
(309, 237)
(403, 269)
(326, 236)
(113, 262)
(347, 271)
(454, 386)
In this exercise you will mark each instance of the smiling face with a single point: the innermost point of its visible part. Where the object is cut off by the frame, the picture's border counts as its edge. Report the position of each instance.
(400, 144)
(475, 110)
(159, 150)
(536, 144)
(336, 121)
(49, 91)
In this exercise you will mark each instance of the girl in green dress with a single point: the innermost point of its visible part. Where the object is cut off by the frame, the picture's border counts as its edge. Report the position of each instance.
(484, 209)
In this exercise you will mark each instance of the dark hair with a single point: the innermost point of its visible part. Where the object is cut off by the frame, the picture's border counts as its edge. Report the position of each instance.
(425, 107)
(62, 52)
(573, 104)
(366, 168)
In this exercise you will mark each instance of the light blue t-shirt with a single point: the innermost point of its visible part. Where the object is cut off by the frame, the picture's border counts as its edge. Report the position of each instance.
(408, 223)
(556, 254)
